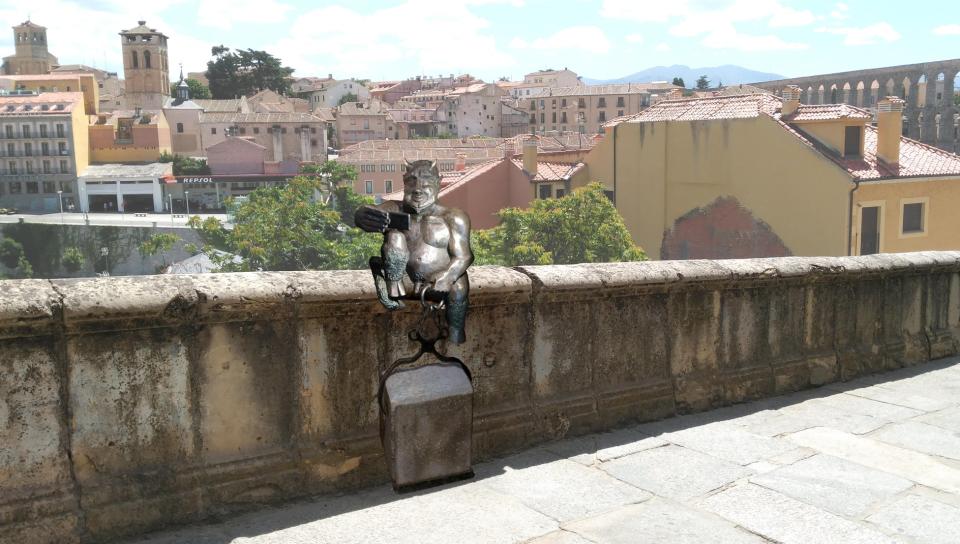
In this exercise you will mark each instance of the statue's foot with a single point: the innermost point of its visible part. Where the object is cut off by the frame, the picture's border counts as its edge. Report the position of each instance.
(395, 289)
(456, 335)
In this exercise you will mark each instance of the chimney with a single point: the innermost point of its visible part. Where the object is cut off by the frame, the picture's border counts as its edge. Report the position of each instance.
(508, 148)
(675, 94)
(791, 100)
(461, 163)
(889, 128)
(530, 155)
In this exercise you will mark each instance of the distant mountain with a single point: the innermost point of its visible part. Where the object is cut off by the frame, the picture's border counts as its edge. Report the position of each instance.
(727, 74)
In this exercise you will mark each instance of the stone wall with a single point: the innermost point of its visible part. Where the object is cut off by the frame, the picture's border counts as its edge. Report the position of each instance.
(131, 403)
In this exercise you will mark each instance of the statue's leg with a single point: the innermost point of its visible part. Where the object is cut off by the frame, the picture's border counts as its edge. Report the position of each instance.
(457, 304)
(376, 266)
(395, 256)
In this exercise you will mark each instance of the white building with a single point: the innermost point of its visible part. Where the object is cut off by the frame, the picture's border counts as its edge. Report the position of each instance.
(123, 187)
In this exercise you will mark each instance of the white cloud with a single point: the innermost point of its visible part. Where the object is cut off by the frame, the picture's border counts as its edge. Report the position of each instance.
(225, 13)
(635, 38)
(727, 37)
(840, 12)
(585, 38)
(662, 48)
(365, 43)
(947, 30)
(868, 35)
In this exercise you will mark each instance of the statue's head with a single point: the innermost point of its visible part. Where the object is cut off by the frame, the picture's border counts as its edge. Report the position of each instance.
(421, 184)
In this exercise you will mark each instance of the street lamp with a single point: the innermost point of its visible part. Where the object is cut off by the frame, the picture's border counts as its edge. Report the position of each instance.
(106, 257)
(186, 197)
(170, 203)
(60, 198)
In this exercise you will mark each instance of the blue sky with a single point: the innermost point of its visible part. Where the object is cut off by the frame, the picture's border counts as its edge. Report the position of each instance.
(491, 38)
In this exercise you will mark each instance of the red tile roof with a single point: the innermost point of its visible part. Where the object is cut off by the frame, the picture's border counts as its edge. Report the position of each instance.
(916, 160)
(709, 109)
(552, 171)
(825, 112)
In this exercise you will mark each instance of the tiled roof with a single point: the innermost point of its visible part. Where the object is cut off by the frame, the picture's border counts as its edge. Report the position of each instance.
(595, 90)
(916, 160)
(452, 180)
(221, 106)
(826, 112)
(33, 104)
(474, 148)
(708, 109)
(373, 107)
(152, 170)
(552, 171)
(274, 117)
(324, 114)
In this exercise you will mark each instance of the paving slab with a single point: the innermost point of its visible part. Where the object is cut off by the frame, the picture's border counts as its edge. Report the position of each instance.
(675, 472)
(948, 418)
(787, 520)
(602, 447)
(867, 407)
(559, 537)
(921, 437)
(834, 484)
(728, 442)
(922, 519)
(918, 467)
(900, 397)
(813, 413)
(660, 521)
(557, 489)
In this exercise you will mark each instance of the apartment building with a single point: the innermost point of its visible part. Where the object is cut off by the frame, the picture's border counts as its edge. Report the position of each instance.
(379, 163)
(327, 93)
(474, 110)
(587, 108)
(412, 121)
(43, 146)
(287, 136)
(37, 84)
(360, 121)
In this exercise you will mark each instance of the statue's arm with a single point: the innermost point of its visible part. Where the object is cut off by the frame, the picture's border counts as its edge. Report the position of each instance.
(461, 256)
(375, 218)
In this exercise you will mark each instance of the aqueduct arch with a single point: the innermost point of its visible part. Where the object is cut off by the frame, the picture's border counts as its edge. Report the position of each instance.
(930, 114)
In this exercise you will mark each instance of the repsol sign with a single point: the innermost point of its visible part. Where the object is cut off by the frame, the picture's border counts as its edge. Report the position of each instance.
(195, 179)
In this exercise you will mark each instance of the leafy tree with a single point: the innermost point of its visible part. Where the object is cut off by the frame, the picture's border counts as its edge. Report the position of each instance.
(72, 259)
(186, 166)
(10, 252)
(583, 227)
(286, 228)
(245, 72)
(703, 83)
(161, 244)
(349, 97)
(197, 89)
(24, 269)
(679, 82)
(956, 100)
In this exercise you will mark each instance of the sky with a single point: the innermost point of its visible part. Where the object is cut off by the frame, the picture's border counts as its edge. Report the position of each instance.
(600, 39)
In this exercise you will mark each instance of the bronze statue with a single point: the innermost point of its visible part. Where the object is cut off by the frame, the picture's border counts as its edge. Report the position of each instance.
(422, 240)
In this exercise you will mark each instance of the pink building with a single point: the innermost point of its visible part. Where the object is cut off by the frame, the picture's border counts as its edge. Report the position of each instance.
(236, 156)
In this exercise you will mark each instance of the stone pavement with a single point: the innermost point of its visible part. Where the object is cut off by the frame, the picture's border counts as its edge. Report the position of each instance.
(871, 460)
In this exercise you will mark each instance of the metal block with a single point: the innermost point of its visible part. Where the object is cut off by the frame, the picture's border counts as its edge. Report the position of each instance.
(427, 424)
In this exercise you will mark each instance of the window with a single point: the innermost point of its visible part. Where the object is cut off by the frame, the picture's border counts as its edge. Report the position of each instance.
(146, 59)
(179, 128)
(46, 167)
(11, 150)
(913, 216)
(33, 187)
(64, 168)
(368, 187)
(543, 117)
(388, 186)
(43, 131)
(620, 102)
(563, 117)
(619, 113)
(602, 102)
(135, 58)
(28, 149)
(313, 142)
(602, 117)
(29, 165)
(16, 188)
(553, 117)
(26, 131)
(533, 106)
(541, 104)
(213, 130)
(59, 131)
(62, 148)
(49, 187)
(66, 186)
(12, 167)
(561, 193)
(256, 130)
(581, 103)
(851, 143)
(44, 149)
(563, 102)
(545, 190)
(9, 131)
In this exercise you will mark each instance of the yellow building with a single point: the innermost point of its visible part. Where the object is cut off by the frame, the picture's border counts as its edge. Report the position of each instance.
(129, 137)
(43, 147)
(756, 175)
(85, 83)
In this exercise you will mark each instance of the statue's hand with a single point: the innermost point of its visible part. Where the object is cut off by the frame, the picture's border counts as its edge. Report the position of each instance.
(371, 219)
(442, 285)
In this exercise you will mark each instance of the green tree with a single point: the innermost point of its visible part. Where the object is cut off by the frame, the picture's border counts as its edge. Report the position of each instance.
(245, 72)
(286, 228)
(583, 227)
(186, 166)
(197, 89)
(72, 259)
(335, 181)
(956, 100)
(161, 244)
(349, 97)
(678, 81)
(10, 252)
(703, 83)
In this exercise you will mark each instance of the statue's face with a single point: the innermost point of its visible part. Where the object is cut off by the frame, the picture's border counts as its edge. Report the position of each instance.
(421, 183)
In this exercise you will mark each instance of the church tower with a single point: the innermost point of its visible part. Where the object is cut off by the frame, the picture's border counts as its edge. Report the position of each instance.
(145, 70)
(31, 57)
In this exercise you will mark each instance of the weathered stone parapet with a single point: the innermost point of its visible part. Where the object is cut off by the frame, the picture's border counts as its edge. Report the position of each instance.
(131, 403)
